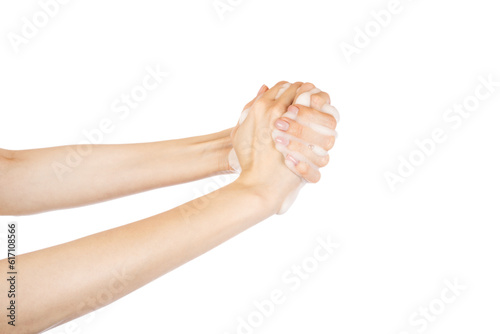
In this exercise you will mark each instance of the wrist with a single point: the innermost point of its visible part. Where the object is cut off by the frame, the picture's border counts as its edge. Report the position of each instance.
(272, 191)
(267, 203)
(213, 151)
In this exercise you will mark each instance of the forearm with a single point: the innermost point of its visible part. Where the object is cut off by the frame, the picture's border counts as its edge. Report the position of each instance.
(38, 180)
(66, 281)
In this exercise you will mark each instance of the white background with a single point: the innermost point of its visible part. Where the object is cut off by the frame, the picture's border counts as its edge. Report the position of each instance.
(397, 247)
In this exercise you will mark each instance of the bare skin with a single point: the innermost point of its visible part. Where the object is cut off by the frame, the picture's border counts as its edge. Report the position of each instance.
(121, 260)
(33, 181)
(108, 172)
(304, 133)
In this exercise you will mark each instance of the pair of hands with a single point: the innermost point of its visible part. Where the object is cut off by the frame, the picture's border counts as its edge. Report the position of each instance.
(296, 133)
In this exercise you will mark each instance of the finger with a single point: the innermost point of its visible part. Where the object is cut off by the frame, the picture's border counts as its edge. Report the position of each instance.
(305, 133)
(293, 158)
(289, 94)
(302, 168)
(282, 90)
(321, 101)
(318, 100)
(262, 90)
(319, 158)
(305, 100)
(307, 172)
(311, 153)
(306, 87)
(271, 93)
(312, 118)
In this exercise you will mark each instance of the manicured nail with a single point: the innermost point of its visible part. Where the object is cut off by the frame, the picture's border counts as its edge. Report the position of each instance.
(261, 90)
(292, 159)
(281, 125)
(282, 141)
(293, 109)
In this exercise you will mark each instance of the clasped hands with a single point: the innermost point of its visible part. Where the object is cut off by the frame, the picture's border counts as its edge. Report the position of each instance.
(283, 138)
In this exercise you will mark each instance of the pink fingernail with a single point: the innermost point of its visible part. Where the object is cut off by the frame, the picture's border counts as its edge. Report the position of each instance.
(293, 109)
(282, 141)
(292, 159)
(261, 90)
(281, 125)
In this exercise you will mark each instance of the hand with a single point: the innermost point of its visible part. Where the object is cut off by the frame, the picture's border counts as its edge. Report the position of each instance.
(305, 138)
(304, 134)
(261, 164)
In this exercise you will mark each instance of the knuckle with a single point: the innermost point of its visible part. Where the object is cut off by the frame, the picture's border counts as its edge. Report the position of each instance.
(317, 101)
(304, 112)
(281, 83)
(277, 110)
(297, 85)
(308, 86)
(260, 104)
(303, 168)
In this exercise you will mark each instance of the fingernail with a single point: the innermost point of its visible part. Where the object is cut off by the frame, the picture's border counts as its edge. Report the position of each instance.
(261, 90)
(292, 159)
(293, 109)
(282, 141)
(281, 125)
